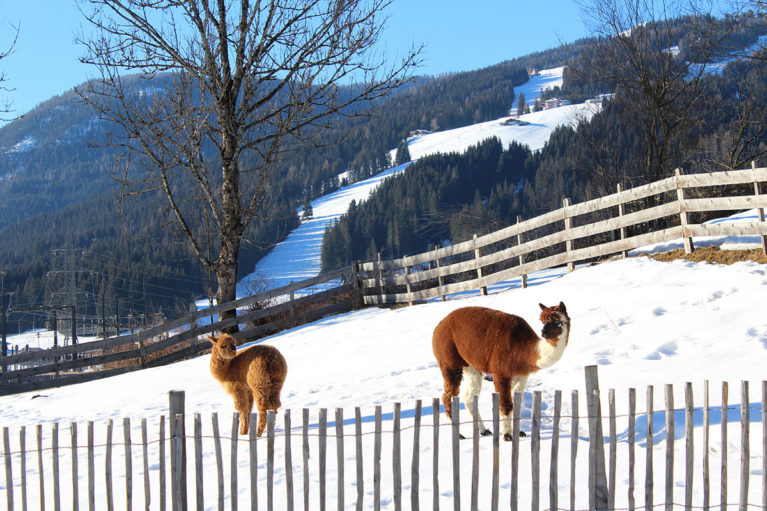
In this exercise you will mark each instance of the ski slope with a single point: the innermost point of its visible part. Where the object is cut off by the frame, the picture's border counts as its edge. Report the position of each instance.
(298, 256)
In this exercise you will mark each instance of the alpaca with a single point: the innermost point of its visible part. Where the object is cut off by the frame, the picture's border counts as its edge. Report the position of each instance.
(256, 373)
(475, 340)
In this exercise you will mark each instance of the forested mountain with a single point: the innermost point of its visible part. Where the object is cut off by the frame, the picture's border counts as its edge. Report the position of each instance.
(58, 198)
(448, 198)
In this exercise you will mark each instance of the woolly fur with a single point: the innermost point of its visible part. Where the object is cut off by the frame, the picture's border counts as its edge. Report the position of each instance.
(474, 340)
(254, 374)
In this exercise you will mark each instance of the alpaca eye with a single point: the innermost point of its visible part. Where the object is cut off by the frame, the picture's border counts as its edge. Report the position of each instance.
(557, 323)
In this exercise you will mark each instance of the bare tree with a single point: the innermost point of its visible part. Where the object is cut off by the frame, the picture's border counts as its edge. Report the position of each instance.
(6, 107)
(228, 87)
(657, 71)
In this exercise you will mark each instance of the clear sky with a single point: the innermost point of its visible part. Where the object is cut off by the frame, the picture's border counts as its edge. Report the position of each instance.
(458, 36)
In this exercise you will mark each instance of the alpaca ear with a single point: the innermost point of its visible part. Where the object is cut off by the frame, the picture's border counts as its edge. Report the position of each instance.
(562, 307)
(543, 307)
(212, 339)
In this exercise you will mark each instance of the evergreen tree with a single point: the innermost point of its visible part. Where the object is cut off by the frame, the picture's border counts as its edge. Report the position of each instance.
(308, 211)
(403, 153)
(521, 103)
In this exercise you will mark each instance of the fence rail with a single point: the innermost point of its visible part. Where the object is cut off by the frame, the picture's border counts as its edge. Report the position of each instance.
(258, 315)
(295, 464)
(594, 229)
(571, 234)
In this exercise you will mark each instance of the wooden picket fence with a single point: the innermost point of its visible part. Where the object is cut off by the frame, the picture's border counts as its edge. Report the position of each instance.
(574, 233)
(501, 476)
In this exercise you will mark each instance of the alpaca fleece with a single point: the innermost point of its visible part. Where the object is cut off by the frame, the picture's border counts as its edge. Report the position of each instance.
(255, 374)
(474, 340)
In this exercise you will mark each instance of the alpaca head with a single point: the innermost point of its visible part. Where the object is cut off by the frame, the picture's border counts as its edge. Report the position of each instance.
(224, 346)
(555, 321)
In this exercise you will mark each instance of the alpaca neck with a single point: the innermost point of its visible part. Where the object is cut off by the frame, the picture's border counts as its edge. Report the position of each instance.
(551, 350)
(219, 366)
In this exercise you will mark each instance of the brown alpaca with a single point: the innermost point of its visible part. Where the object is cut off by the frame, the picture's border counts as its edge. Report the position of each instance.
(256, 373)
(475, 340)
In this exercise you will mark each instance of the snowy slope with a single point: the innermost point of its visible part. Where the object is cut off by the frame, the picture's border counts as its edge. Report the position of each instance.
(298, 256)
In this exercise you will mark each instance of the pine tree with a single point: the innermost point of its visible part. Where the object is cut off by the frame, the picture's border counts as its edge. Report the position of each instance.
(308, 211)
(403, 153)
(521, 103)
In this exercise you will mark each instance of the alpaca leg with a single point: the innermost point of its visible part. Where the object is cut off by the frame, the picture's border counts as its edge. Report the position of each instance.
(243, 403)
(261, 418)
(503, 388)
(472, 387)
(518, 384)
(452, 380)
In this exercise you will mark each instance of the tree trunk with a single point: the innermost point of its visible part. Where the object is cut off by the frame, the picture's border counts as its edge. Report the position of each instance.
(226, 275)
(226, 266)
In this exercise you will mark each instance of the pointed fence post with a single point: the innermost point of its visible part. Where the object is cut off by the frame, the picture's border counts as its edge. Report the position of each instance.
(177, 450)
(598, 495)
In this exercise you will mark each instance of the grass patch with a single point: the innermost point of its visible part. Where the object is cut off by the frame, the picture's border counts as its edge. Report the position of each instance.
(713, 255)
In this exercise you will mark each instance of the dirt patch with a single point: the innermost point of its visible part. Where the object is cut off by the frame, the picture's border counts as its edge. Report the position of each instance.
(713, 255)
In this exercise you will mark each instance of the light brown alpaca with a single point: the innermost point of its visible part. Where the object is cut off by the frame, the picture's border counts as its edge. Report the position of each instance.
(475, 340)
(256, 373)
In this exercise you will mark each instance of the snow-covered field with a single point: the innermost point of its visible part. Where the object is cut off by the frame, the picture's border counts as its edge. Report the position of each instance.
(642, 322)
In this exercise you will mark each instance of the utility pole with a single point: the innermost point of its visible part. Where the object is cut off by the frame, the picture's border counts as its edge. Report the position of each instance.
(2, 313)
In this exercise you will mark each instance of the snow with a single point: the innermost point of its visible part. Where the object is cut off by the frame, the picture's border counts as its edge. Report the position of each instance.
(540, 126)
(298, 256)
(642, 322)
(544, 79)
(25, 145)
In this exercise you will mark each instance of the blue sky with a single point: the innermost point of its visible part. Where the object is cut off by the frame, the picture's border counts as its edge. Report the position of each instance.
(458, 37)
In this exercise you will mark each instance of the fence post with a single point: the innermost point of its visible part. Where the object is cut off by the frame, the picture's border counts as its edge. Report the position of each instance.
(745, 446)
(177, 450)
(598, 495)
(192, 326)
(440, 279)
(621, 212)
(568, 241)
(521, 256)
(408, 285)
(760, 211)
(379, 273)
(477, 255)
(684, 217)
(359, 288)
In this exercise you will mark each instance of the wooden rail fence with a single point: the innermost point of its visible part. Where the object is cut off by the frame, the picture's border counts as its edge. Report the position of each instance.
(175, 470)
(598, 228)
(574, 233)
(258, 316)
